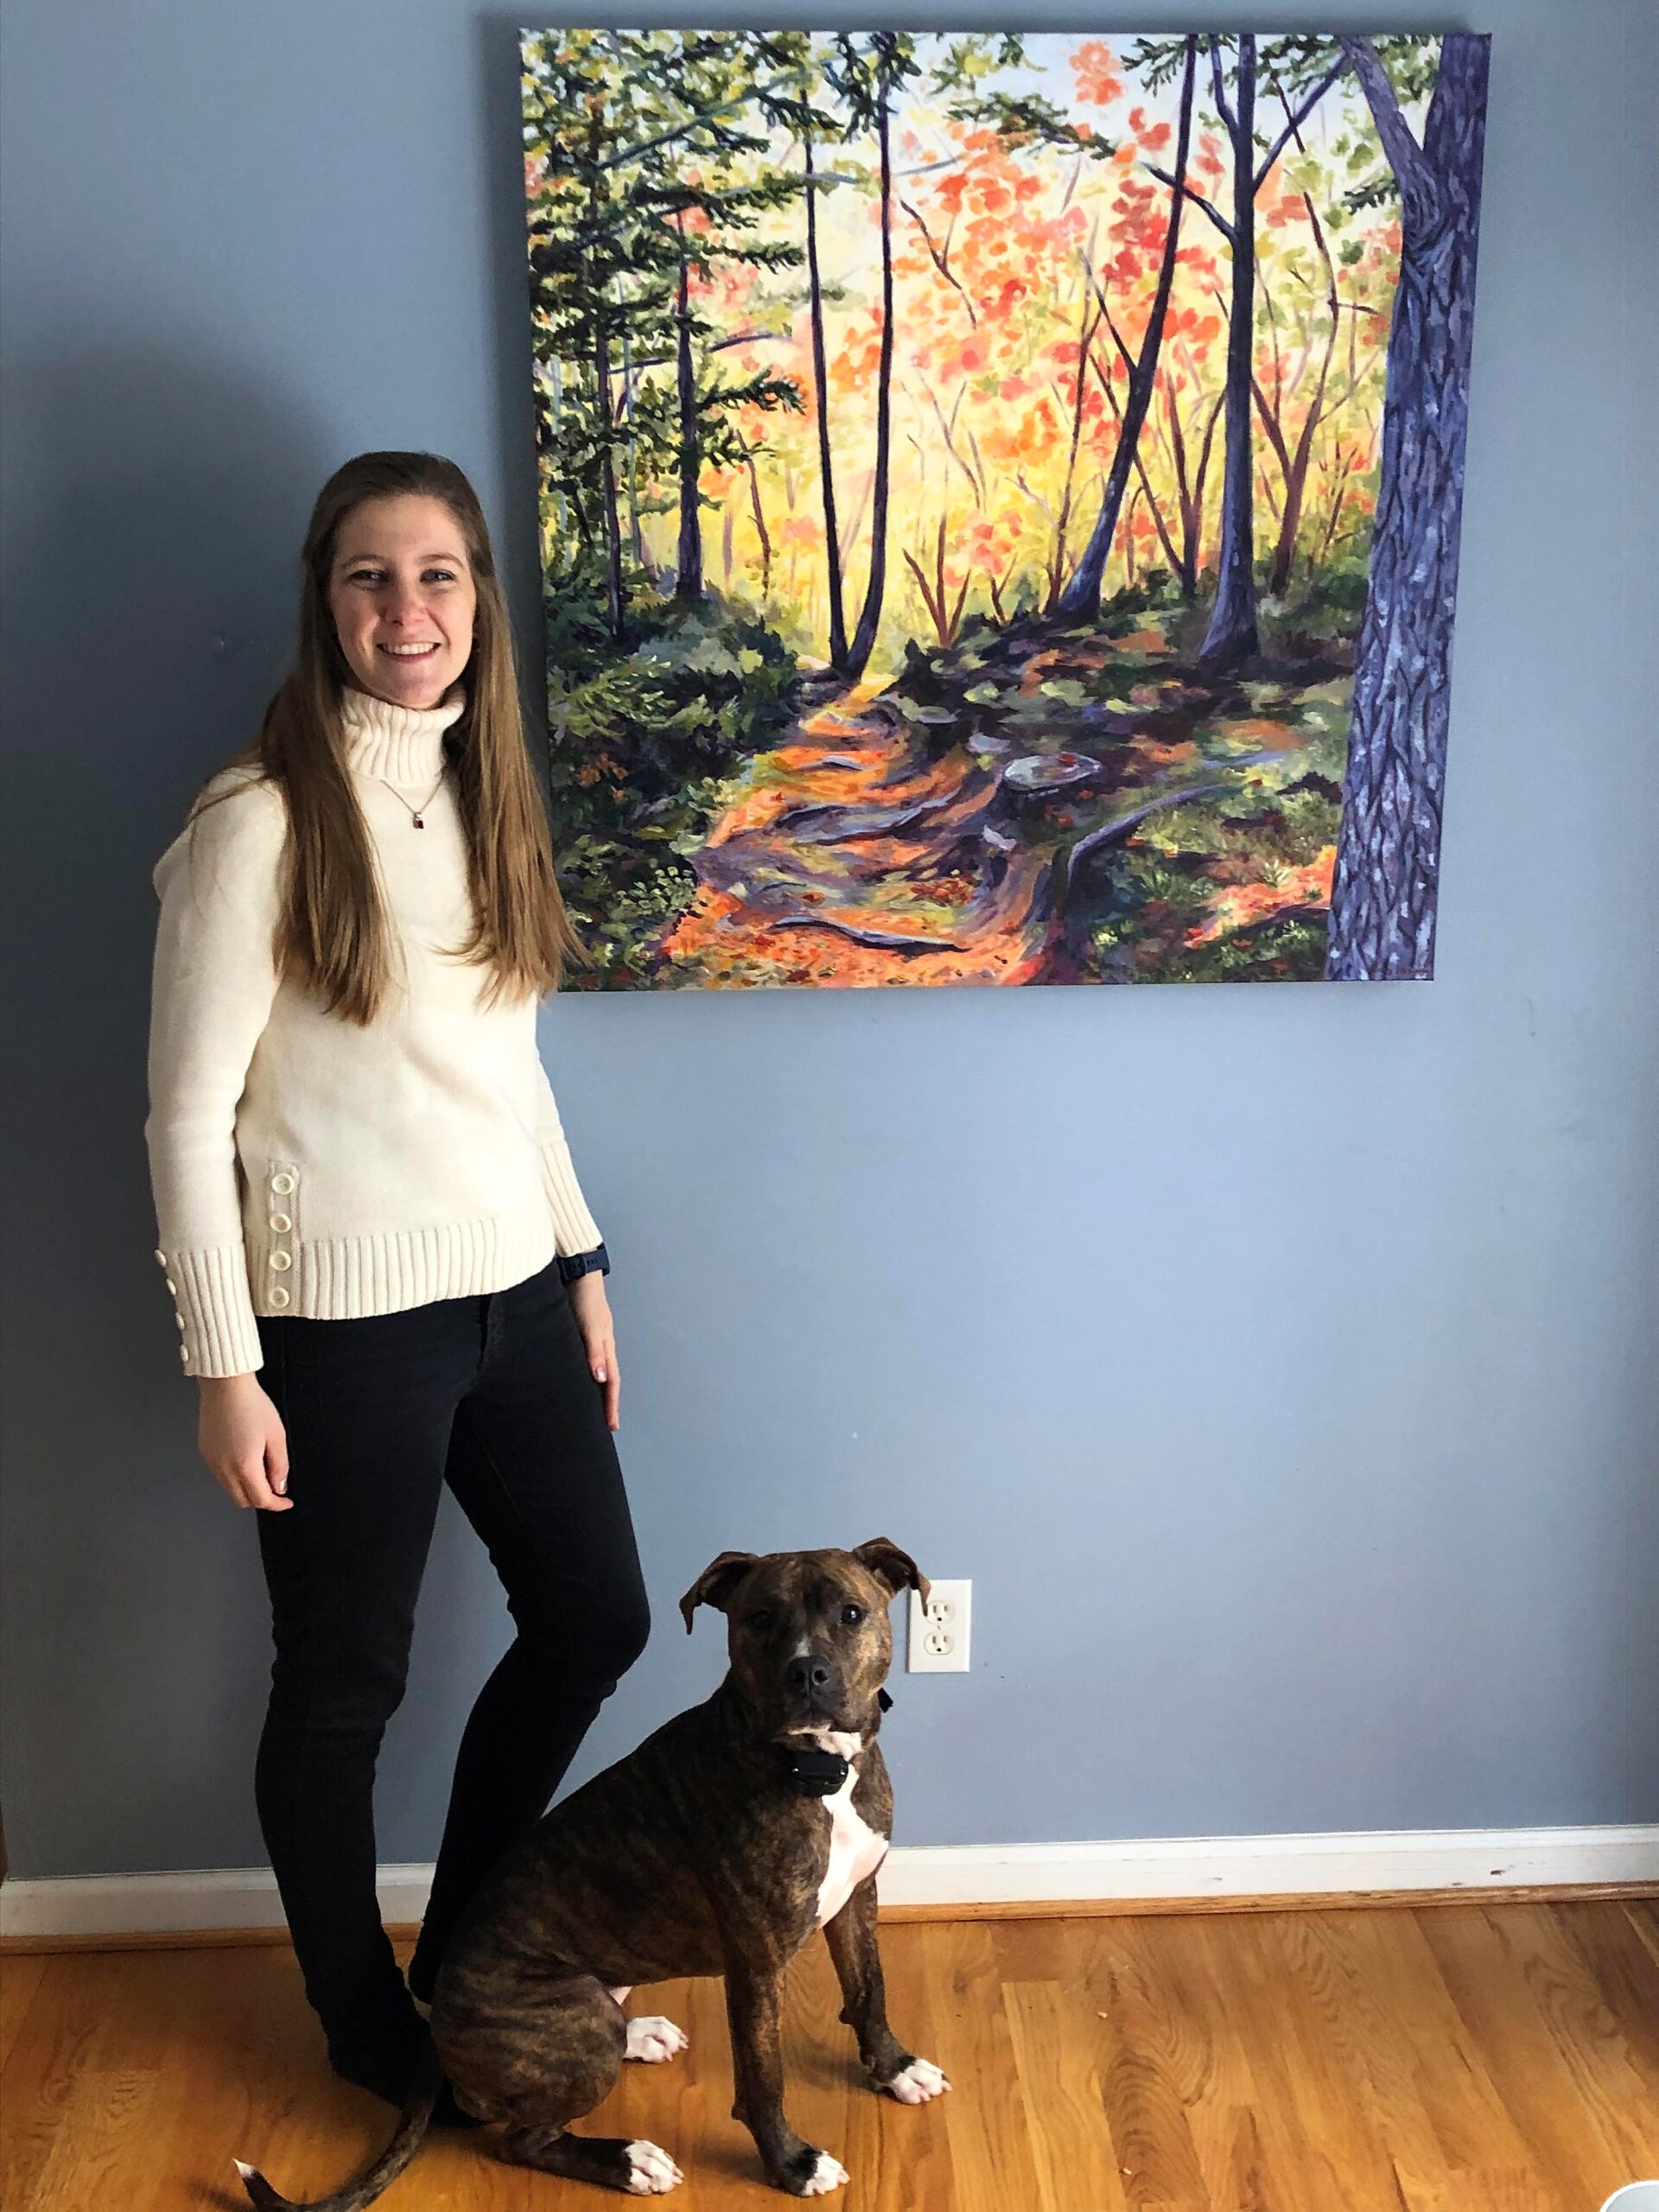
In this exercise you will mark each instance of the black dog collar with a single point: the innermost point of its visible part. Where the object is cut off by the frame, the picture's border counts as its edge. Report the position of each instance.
(815, 1773)
(821, 1774)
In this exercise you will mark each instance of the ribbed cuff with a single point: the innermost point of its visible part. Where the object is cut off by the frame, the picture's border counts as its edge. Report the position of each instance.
(574, 1227)
(218, 1334)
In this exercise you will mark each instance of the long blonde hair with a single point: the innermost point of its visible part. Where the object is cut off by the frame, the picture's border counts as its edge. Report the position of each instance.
(334, 933)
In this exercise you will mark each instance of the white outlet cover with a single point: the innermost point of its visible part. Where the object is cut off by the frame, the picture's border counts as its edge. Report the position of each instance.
(939, 1636)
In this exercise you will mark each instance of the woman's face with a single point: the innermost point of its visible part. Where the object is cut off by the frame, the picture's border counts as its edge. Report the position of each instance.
(402, 595)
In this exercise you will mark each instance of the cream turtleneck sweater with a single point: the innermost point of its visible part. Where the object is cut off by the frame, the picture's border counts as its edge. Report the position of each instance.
(303, 1165)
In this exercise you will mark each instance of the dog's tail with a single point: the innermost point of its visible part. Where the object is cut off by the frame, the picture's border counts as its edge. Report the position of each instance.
(411, 2128)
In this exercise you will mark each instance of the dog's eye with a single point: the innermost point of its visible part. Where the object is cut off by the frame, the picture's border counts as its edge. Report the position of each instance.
(851, 1616)
(759, 1622)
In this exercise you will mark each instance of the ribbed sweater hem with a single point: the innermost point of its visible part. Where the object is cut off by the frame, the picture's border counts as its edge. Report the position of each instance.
(350, 1278)
(219, 1291)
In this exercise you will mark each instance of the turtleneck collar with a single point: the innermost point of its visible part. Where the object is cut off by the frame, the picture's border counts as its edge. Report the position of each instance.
(404, 744)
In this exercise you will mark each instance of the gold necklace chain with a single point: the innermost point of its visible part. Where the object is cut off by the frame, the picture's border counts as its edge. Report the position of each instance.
(419, 812)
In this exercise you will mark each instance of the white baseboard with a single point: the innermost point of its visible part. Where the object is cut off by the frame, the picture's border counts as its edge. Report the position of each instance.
(1177, 1867)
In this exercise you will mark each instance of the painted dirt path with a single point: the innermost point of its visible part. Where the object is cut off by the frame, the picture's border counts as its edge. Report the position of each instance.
(880, 846)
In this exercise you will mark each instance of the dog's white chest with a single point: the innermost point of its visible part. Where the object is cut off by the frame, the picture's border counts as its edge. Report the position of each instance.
(856, 1850)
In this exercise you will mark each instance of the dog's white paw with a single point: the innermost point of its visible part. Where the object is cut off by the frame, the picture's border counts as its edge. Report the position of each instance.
(920, 2079)
(653, 2039)
(828, 2174)
(652, 2172)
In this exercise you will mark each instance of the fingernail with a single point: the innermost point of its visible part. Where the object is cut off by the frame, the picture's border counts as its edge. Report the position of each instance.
(599, 1375)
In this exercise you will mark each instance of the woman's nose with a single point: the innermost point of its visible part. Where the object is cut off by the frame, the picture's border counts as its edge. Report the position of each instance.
(401, 602)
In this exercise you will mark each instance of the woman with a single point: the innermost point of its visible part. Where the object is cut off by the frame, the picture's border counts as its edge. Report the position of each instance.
(385, 1276)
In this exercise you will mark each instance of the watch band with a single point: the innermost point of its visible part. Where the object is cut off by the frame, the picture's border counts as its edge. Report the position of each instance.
(572, 1265)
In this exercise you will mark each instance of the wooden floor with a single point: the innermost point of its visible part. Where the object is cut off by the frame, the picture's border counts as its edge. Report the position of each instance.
(1467, 2058)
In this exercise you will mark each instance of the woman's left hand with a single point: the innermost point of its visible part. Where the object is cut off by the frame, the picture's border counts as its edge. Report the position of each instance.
(593, 1312)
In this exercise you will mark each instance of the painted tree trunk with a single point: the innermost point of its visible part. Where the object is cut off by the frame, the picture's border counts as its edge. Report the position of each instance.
(1290, 523)
(1383, 898)
(1081, 597)
(1299, 460)
(607, 481)
(870, 615)
(820, 394)
(1231, 635)
(688, 584)
(636, 534)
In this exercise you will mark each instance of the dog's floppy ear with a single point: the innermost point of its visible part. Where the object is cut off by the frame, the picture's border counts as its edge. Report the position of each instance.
(714, 1585)
(893, 1569)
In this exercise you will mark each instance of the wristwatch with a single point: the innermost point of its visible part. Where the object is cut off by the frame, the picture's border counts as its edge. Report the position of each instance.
(574, 1264)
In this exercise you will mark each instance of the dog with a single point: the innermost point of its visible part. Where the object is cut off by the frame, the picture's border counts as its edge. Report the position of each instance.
(719, 1846)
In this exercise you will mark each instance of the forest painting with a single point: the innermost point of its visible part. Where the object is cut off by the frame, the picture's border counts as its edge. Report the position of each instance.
(1000, 498)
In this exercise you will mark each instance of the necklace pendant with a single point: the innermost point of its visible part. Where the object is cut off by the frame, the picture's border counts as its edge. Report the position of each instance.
(419, 825)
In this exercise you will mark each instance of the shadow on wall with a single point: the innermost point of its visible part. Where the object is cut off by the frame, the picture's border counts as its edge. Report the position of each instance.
(156, 504)
(517, 526)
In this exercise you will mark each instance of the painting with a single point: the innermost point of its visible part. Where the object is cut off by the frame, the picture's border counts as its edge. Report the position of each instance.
(1000, 498)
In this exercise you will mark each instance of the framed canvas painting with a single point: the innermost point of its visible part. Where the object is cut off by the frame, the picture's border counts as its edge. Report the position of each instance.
(1000, 498)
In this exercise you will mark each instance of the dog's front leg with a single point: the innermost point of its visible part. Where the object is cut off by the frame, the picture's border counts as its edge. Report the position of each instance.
(851, 1938)
(755, 2008)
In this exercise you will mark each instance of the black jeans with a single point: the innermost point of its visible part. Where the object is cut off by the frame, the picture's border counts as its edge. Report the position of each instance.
(491, 1395)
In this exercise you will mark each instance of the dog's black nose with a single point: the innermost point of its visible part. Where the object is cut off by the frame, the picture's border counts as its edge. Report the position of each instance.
(806, 1675)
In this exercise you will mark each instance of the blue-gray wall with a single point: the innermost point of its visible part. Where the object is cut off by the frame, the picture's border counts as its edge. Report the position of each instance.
(1278, 1361)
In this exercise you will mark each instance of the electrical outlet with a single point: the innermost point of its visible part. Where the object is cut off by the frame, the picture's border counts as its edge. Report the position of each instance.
(938, 1631)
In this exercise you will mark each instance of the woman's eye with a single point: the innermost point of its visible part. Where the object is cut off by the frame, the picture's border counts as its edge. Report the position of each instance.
(439, 576)
(851, 1616)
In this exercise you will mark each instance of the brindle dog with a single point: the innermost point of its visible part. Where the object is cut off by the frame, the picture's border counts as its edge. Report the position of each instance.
(717, 1848)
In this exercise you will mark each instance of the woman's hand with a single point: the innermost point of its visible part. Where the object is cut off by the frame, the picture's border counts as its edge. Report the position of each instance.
(593, 1312)
(240, 1435)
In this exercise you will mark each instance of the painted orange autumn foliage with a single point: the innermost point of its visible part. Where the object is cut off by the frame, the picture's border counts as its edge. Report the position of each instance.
(1024, 277)
(1251, 903)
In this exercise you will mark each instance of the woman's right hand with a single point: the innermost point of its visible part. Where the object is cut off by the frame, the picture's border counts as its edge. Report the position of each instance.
(240, 1435)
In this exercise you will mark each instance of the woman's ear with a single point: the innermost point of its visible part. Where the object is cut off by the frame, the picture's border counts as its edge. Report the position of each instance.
(715, 1585)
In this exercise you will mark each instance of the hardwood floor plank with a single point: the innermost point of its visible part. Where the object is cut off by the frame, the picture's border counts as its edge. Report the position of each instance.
(1441, 2116)
(916, 2169)
(1567, 2100)
(1247, 2159)
(1056, 2058)
(1375, 1991)
(20, 1980)
(1147, 2064)
(1627, 1974)
(1317, 2130)
(1489, 2189)
(49, 2065)
(1645, 1918)
(991, 2163)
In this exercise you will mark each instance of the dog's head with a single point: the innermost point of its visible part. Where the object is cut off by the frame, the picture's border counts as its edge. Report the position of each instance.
(807, 1634)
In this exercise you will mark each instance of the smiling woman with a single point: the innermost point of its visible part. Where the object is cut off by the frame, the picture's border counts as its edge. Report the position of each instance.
(362, 1189)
